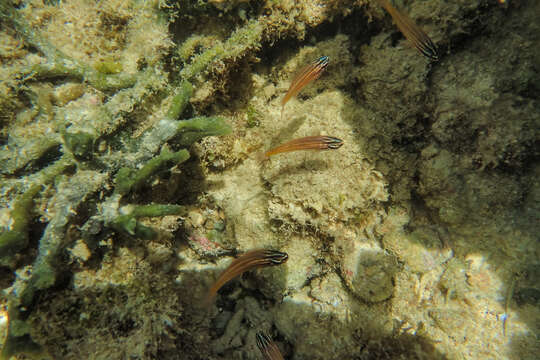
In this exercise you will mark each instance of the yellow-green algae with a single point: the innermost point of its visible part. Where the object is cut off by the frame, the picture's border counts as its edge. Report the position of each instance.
(402, 244)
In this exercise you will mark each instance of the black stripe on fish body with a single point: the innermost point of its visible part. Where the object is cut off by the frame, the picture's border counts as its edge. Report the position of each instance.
(332, 142)
(274, 257)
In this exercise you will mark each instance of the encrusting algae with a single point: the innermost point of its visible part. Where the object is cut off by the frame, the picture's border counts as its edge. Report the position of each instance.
(127, 180)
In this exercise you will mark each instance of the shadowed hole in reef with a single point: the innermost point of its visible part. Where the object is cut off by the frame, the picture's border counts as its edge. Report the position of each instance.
(6, 277)
(35, 232)
(122, 327)
(4, 137)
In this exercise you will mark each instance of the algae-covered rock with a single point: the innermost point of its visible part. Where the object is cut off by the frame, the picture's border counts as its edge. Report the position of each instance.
(328, 197)
(372, 277)
(417, 239)
(421, 250)
(128, 224)
(311, 334)
(80, 144)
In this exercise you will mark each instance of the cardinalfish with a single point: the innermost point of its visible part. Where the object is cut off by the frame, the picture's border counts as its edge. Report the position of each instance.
(268, 348)
(319, 142)
(306, 75)
(251, 260)
(412, 32)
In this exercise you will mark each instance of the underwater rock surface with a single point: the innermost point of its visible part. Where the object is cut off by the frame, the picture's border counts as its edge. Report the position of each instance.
(132, 173)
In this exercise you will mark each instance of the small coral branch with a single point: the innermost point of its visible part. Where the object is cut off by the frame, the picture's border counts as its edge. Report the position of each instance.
(180, 100)
(15, 239)
(245, 38)
(128, 180)
(185, 131)
(67, 67)
(192, 130)
(128, 223)
(155, 210)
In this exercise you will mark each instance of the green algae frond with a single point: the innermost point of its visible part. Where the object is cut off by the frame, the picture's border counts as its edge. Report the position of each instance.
(108, 67)
(180, 100)
(81, 144)
(14, 240)
(196, 128)
(128, 180)
(129, 225)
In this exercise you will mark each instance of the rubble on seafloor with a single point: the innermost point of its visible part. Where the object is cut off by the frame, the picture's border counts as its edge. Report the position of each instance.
(132, 172)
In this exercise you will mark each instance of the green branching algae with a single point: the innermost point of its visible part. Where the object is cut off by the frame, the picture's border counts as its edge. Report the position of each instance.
(88, 139)
(129, 225)
(195, 129)
(241, 40)
(180, 100)
(76, 135)
(16, 239)
(186, 132)
(71, 193)
(128, 180)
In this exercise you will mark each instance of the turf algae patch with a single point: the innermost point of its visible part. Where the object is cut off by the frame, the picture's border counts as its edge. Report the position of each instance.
(384, 262)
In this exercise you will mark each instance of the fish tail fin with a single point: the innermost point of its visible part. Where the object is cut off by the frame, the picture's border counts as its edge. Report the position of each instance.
(261, 157)
(384, 3)
(208, 300)
(258, 155)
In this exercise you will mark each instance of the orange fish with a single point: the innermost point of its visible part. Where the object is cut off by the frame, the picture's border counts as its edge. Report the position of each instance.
(307, 75)
(268, 348)
(318, 142)
(251, 260)
(412, 32)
